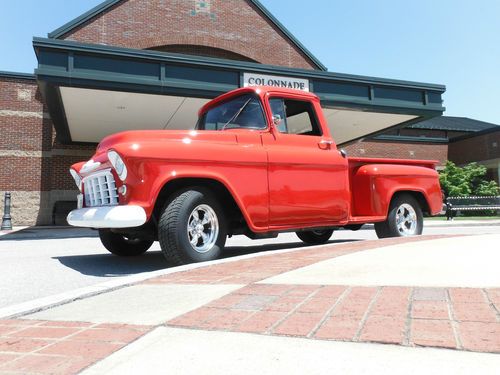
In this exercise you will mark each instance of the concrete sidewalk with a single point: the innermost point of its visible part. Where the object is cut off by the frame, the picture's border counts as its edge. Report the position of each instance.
(434, 299)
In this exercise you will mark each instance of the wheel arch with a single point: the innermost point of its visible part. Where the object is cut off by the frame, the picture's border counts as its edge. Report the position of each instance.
(231, 205)
(419, 196)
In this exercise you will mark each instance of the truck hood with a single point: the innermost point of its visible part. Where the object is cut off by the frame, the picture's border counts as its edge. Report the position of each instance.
(142, 137)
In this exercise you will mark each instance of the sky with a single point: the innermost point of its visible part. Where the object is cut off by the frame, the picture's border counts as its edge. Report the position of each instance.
(450, 42)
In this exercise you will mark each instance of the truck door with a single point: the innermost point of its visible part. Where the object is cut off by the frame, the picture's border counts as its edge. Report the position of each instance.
(307, 175)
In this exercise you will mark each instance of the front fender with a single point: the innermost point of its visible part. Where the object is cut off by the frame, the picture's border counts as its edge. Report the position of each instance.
(247, 184)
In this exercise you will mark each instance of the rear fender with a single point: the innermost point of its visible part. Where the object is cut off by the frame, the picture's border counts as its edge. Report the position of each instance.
(375, 185)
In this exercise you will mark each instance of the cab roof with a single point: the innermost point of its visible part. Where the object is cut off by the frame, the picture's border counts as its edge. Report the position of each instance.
(261, 91)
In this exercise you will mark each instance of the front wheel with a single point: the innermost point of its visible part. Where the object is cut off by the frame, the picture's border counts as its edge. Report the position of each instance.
(315, 237)
(121, 245)
(405, 218)
(192, 228)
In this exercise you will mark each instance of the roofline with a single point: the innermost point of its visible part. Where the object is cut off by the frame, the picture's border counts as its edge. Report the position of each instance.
(449, 128)
(55, 44)
(16, 75)
(104, 6)
(475, 134)
(289, 35)
(67, 27)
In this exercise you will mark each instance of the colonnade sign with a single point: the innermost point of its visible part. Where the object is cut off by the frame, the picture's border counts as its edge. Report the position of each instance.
(252, 79)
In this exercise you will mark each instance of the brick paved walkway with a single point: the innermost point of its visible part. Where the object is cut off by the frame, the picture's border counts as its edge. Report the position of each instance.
(457, 318)
(255, 269)
(43, 347)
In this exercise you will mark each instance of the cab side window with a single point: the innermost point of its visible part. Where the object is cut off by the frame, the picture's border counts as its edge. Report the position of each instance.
(297, 117)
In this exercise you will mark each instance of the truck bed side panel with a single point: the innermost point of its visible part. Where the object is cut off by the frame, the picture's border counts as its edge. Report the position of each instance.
(374, 185)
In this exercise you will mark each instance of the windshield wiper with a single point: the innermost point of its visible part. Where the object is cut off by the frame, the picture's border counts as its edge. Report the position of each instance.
(236, 114)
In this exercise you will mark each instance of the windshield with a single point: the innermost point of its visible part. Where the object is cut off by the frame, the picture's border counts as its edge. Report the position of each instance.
(242, 112)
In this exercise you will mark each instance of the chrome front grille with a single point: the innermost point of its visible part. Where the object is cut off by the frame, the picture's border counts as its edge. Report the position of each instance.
(100, 189)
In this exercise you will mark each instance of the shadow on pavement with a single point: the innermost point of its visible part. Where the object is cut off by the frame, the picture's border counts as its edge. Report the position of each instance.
(108, 265)
(48, 233)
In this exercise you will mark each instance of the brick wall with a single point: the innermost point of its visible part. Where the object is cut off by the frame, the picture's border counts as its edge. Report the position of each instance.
(234, 25)
(479, 148)
(203, 51)
(379, 149)
(33, 165)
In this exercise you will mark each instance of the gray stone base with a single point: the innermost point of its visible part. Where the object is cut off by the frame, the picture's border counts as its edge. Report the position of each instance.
(35, 207)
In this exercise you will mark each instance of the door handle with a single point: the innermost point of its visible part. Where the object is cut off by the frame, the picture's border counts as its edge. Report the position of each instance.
(325, 144)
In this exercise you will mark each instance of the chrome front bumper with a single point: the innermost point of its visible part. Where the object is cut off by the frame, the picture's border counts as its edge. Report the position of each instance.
(108, 217)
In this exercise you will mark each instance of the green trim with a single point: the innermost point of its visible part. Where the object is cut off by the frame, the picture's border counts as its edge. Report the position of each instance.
(103, 7)
(409, 139)
(72, 64)
(55, 106)
(15, 75)
(66, 45)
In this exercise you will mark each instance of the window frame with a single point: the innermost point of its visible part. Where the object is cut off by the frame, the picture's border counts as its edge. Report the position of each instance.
(247, 94)
(313, 117)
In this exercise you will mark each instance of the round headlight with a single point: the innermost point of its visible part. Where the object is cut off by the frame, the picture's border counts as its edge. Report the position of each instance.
(118, 164)
(77, 178)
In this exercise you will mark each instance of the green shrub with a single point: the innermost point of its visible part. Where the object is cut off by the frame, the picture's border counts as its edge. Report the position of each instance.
(466, 181)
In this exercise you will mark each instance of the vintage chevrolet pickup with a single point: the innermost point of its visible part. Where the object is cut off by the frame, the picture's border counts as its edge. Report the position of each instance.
(260, 161)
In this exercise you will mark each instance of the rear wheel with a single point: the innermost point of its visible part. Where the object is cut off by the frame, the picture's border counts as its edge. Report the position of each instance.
(315, 237)
(192, 228)
(122, 245)
(405, 218)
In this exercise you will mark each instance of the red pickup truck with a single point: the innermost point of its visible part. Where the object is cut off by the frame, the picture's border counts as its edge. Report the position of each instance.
(260, 161)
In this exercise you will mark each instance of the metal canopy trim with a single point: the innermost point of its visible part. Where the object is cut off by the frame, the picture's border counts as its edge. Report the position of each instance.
(88, 66)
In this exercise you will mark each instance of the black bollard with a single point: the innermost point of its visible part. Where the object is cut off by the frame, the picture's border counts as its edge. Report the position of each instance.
(6, 219)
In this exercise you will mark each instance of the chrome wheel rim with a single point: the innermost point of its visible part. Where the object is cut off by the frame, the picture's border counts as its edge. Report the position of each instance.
(406, 220)
(203, 228)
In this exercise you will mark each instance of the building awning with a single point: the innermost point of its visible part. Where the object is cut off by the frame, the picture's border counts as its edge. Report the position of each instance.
(93, 90)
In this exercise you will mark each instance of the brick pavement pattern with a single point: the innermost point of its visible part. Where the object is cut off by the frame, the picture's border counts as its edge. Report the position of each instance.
(47, 347)
(455, 318)
(247, 271)
(467, 319)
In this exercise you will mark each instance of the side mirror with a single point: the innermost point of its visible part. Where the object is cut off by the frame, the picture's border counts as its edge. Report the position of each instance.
(276, 120)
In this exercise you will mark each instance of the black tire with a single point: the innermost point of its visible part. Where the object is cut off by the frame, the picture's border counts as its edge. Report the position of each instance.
(315, 237)
(173, 228)
(390, 227)
(121, 245)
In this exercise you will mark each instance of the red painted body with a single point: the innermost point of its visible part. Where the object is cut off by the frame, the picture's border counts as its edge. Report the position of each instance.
(279, 181)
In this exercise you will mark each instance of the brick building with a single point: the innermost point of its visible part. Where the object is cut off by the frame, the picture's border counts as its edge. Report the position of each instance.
(483, 147)
(150, 64)
(459, 139)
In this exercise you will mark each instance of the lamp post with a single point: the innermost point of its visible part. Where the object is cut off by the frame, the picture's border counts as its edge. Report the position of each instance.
(6, 219)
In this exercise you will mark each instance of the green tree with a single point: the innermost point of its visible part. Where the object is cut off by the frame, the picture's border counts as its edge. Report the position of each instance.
(469, 180)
